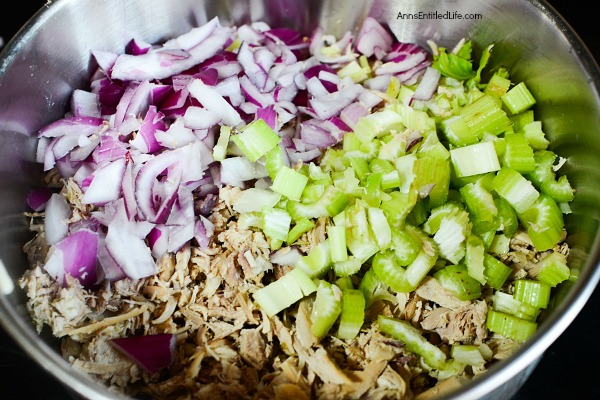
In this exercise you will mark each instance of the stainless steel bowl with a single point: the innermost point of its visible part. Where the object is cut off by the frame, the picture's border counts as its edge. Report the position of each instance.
(50, 57)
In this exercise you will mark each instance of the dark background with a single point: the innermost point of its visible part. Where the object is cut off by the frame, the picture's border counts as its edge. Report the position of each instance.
(568, 369)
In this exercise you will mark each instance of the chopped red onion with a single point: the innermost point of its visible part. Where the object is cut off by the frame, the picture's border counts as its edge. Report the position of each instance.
(153, 353)
(38, 197)
(74, 255)
(428, 84)
(56, 219)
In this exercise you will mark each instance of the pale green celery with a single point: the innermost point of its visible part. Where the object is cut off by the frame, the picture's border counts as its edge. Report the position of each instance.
(405, 167)
(275, 223)
(250, 219)
(553, 269)
(389, 271)
(497, 86)
(544, 178)
(381, 166)
(434, 220)
(420, 212)
(495, 271)
(361, 168)
(253, 199)
(457, 132)
(337, 243)
(326, 308)
(331, 203)
(394, 148)
(414, 341)
(468, 354)
(405, 247)
(313, 191)
(393, 89)
(451, 235)
(378, 124)
(274, 161)
(534, 293)
(317, 262)
(374, 289)
(347, 267)
(515, 189)
(500, 245)
(220, 149)
(544, 223)
(391, 180)
(535, 135)
(284, 292)
(480, 203)
(380, 227)
(432, 178)
(405, 94)
(518, 98)
(256, 139)
(456, 280)
(315, 173)
(432, 147)
(499, 144)
(352, 316)
(474, 258)
(413, 119)
(485, 114)
(510, 326)
(367, 151)
(355, 71)
(521, 119)
(347, 182)
(372, 190)
(509, 223)
(289, 183)
(359, 238)
(351, 142)
(301, 226)
(419, 268)
(475, 159)
(518, 154)
(398, 206)
(506, 303)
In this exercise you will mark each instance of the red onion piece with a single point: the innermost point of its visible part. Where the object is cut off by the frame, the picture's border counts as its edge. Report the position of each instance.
(129, 251)
(428, 84)
(152, 352)
(373, 39)
(38, 197)
(56, 219)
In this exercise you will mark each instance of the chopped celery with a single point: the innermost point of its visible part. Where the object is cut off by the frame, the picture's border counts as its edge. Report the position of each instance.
(534, 293)
(337, 243)
(468, 354)
(544, 223)
(331, 202)
(535, 136)
(374, 289)
(510, 326)
(275, 223)
(405, 247)
(379, 226)
(516, 189)
(544, 177)
(519, 154)
(432, 178)
(457, 132)
(474, 159)
(495, 271)
(456, 280)
(284, 292)
(397, 207)
(373, 193)
(326, 309)
(553, 269)
(413, 340)
(434, 220)
(352, 316)
(500, 245)
(347, 267)
(480, 204)
(220, 149)
(497, 86)
(506, 303)
(359, 237)
(317, 262)
(474, 258)
(390, 272)
(518, 98)
(405, 167)
(451, 235)
(485, 115)
(301, 226)
(521, 119)
(253, 199)
(256, 139)
(509, 223)
(289, 183)
(378, 124)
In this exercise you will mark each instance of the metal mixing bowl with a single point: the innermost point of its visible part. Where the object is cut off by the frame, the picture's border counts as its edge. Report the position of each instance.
(50, 57)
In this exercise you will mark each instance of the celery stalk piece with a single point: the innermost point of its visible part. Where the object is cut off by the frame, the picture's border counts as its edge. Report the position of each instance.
(405, 167)
(432, 178)
(301, 226)
(361, 168)
(414, 341)
(220, 149)
(456, 280)
(405, 247)
(497, 86)
(317, 262)
(351, 142)
(495, 271)
(544, 177)
(434, 220)
(510, 326)
(337, 243)
(275, 223)
(326, 308)
(389, 271)
(374, 289)
(468, 354)
(347, 267)
(398, 206)
(256, 139)
(474, 159)
(289, 183)
(372, 190)
(534, 293)
(274, 161)
(480, 204)
(378, 124)
(344, 282)
(380, 227)
(413, 119)
(485, 115)
(506, 303)
(450, 237)
(352, 316)
(359, 237)
(518, 98)
(535, 135)
(474, 258)
(519, 154)
(544, 223)
(419, 268)
(516, 189)
(553, 269)
(284, 292)
(250, 219)
(500, 245)
(457, 132)
(354, 70)
(331, 203)
(509, 223)
(253, 199)
(521, 119)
